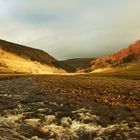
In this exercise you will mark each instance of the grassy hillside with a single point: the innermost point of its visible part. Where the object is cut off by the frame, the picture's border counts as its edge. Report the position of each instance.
(15, 58)
(126, 55)
(78, 63)
(131, 69)
(26, 52)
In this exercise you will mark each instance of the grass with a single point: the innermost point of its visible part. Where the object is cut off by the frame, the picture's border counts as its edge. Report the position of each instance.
(127, 71)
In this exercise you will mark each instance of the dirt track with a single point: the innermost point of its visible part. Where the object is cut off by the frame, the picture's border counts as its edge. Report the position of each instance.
(69, 107)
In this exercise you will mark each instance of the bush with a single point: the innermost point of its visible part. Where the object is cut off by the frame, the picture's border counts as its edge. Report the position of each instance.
(128, 58)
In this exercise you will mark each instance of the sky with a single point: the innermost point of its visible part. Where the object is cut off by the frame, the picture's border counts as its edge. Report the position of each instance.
(71, 28)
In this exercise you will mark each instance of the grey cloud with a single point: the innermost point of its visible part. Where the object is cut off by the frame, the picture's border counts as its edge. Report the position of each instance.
(71, 28)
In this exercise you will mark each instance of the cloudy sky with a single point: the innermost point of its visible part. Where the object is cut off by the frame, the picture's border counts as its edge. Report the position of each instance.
(71, 28)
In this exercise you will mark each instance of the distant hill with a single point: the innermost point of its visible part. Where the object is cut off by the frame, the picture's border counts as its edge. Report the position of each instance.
(78, 63)
(21, 59)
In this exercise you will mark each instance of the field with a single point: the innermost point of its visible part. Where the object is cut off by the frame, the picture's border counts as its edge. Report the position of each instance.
(69, 107)
(127, 70)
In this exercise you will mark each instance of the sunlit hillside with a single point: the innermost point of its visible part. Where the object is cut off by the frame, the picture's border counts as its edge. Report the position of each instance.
(123, 63)
(129, 54)
(127, 69)
(16, 58)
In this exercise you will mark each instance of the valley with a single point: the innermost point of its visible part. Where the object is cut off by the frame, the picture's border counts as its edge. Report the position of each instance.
(42, 98)
(69, 70)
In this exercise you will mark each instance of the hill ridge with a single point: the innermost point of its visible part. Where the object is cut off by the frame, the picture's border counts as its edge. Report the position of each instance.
(125, 55)
(20, 58)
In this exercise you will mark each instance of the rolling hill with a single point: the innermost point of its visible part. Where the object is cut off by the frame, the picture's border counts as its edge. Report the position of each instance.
(78, 63)
(125, 62)
(15, 58)
(126, 55)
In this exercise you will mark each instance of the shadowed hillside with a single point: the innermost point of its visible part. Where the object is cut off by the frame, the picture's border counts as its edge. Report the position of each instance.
(18, 58)
(78, 63)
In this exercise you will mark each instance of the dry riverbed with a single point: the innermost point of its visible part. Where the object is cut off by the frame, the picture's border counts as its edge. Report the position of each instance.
(69, 108)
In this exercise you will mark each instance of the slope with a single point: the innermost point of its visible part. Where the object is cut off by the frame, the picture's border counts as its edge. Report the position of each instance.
(21, 59)
(78, 63)
(123, 63)
(129, 54)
